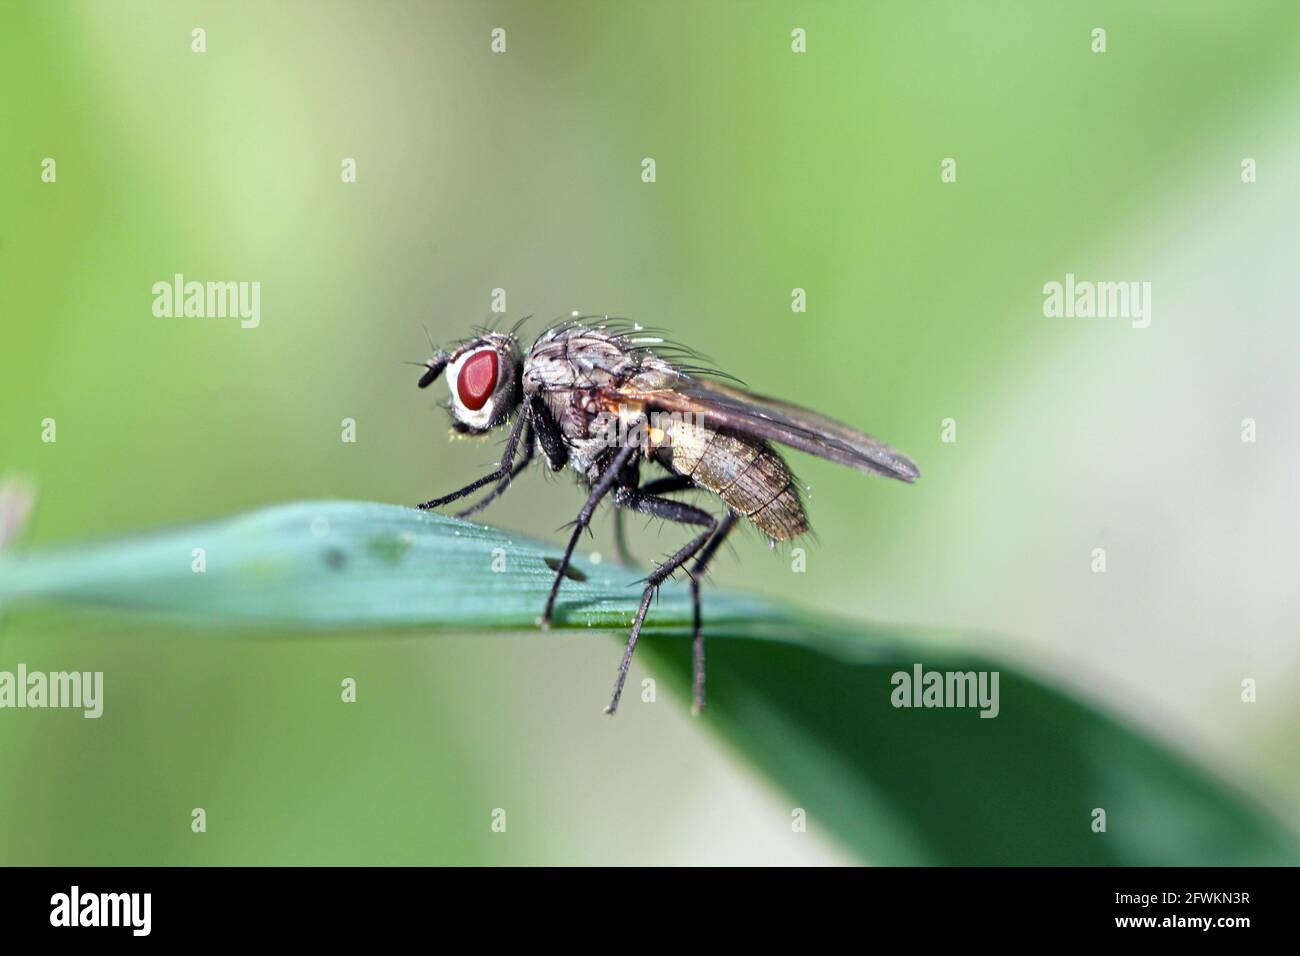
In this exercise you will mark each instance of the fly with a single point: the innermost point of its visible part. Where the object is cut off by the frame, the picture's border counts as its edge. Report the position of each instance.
(606, 398)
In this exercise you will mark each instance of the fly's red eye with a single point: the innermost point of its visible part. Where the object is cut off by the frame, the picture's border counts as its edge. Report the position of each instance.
(477, 379)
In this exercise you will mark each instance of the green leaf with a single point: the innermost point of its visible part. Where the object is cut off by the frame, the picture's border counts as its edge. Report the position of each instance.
(805, 698)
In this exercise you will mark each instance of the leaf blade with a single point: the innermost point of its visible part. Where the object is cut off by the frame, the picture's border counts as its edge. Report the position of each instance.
(804, 698)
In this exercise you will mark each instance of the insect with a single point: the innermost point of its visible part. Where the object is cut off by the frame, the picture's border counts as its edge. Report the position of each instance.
(606, 398)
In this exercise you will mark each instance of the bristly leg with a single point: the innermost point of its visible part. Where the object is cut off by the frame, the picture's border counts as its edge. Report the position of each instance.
(659, 486)
(502, 471)
(613, 471)
(620, 542)
(511, 475)
(697, 571)
(549, 435)
(670, 510)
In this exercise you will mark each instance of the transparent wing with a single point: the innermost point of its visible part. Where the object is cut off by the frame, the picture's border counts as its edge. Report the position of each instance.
(732, 409)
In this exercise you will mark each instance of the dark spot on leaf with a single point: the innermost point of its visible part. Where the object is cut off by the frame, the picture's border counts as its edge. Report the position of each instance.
(334, 559)
(569, 572)
(388, 548)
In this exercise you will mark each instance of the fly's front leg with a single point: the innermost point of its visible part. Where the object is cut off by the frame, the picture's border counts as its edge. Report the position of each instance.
(504, 483)
(502, 471)
(548, 433)
(670, 510)
(606, 481)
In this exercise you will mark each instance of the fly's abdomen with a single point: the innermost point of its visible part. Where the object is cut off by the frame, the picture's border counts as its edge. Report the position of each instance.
(746, 474)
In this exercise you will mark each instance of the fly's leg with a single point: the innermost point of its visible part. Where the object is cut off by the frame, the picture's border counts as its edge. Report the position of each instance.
(548, 434)
(663, 485)
(606, 481)
(504, 483)
(669, 510)
(697, 571)
(668, 484)
(620, 542)
(502, 471)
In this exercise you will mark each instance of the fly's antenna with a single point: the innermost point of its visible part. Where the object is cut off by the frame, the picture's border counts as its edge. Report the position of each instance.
(433, 368)
(434, 365)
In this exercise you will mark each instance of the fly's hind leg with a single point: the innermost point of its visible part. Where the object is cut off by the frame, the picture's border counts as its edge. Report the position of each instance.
(635, 500)
(620, 541)
(697, 571)
(659, 486)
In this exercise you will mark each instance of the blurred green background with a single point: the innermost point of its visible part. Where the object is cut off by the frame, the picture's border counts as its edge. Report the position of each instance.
(522, 171)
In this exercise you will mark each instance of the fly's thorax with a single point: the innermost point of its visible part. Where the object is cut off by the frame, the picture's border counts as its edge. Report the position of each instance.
(578, 358)
(575, 359)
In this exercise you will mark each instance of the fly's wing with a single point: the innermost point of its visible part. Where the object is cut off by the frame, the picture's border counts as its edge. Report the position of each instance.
(732, 409)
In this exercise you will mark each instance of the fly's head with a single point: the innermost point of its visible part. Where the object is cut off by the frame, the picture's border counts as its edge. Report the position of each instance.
(484, 377)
